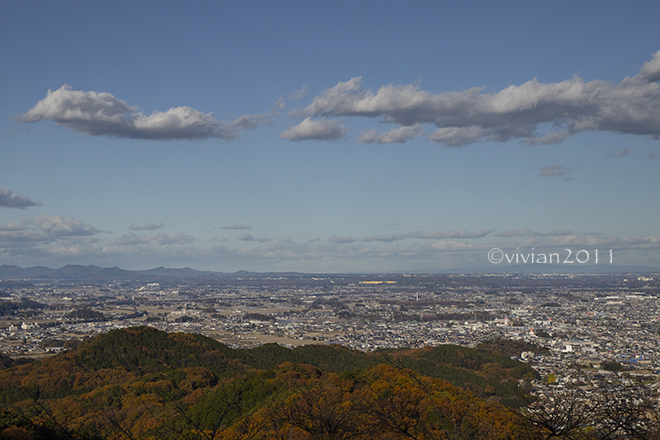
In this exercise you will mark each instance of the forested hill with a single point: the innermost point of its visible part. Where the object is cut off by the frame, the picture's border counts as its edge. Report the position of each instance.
(147, 350)
(146, 383)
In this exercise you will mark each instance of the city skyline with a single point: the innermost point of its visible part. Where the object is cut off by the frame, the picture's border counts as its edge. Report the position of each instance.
(328, 137)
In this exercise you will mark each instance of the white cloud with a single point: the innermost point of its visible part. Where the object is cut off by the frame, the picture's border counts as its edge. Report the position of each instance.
(175, 123)
(459, 136)
(102, 114)
(319, 130)
(516, 112)
(8, 200)
(651, 69)
(395, 135)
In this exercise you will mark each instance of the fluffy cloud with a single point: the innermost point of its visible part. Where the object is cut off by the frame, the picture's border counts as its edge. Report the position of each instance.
(8, 200)
(396, 135)
(318, 130)
(516, 112)
(100, 114)
(651, 69)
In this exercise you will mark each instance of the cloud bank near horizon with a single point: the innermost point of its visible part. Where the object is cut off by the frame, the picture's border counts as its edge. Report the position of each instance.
(47, 239)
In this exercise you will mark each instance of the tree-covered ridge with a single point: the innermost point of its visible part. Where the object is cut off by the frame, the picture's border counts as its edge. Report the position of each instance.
(147, 349)
(144, 383)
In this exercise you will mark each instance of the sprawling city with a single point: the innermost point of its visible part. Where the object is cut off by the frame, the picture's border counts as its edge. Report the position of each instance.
(577, 324)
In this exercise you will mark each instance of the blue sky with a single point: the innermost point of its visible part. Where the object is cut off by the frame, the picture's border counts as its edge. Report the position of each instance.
(327, 136)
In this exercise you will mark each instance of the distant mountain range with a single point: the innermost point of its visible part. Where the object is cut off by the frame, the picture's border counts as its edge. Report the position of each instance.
(96, 273)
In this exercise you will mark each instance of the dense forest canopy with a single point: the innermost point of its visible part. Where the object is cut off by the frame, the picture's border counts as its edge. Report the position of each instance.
(141, 383)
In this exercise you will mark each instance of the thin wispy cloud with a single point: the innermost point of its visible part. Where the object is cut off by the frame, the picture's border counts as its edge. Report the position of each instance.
(620, 153)
(237, 227)
(300, 93)
(9, 200)
(250, 237)
(148, 227)
(161, 239)
(341, 240)
(530, 233)
(596, 241)
(250, 122)
(555, 171)
(436, 235)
